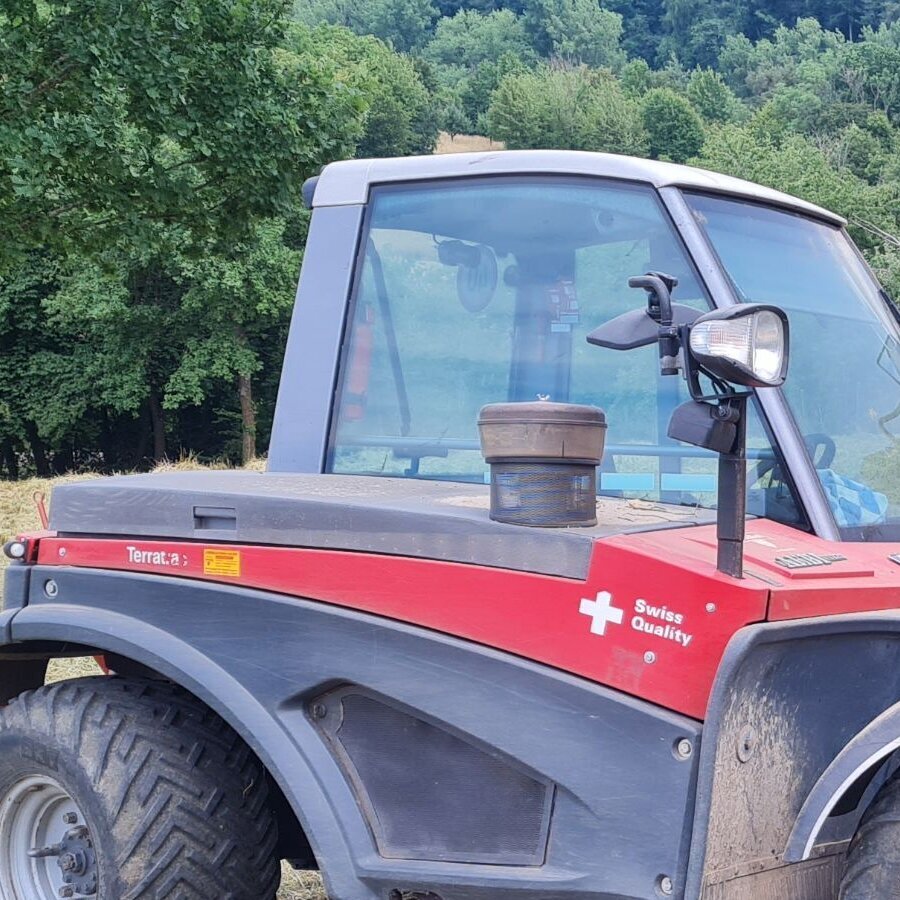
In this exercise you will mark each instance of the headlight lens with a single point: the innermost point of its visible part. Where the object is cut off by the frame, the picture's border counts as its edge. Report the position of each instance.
(745, 345)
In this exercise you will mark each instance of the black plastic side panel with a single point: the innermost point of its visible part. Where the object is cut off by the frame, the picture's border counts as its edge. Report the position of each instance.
(623, 799)
(16, 579)
(428, 793)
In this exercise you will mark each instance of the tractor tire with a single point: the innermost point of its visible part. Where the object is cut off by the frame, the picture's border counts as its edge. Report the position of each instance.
(130, 789)
(872, 867)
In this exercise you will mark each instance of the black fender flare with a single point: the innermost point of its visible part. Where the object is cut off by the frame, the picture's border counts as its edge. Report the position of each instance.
(871, 746)
(787, 685)
(159, 650)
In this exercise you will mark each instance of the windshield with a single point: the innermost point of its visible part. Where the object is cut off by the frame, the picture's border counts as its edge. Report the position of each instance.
(844, 379)
(478, 291)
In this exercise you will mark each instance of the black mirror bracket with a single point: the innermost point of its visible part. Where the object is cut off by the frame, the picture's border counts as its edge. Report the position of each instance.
(720, 424)
(659, 287)
(732, 493)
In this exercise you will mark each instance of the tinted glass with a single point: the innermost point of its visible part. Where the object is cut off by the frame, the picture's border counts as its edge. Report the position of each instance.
(484, 291)
(844, 380)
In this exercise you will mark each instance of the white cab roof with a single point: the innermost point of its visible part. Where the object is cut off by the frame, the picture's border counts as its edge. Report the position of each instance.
(348, 182)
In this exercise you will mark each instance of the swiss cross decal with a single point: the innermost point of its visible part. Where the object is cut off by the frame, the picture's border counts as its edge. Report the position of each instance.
(646, 617)
(601, 612)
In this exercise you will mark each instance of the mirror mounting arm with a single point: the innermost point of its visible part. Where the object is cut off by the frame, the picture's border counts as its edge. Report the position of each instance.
(732, 493)
(719, 423)
(659, 287)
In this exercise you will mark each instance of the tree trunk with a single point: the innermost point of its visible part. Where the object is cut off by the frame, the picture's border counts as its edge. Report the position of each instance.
(248, 419)
(158, 422)
(10, 460)
(63, 461)
(143, 441)
(38, 451)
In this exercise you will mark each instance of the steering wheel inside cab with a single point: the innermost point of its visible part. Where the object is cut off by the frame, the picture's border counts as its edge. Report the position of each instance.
(821, 450)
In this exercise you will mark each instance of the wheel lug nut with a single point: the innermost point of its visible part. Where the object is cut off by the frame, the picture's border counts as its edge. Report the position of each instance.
(70, 818)
(66, 891)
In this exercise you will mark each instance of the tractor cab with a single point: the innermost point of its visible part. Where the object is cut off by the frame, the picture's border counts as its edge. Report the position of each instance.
(479, 280)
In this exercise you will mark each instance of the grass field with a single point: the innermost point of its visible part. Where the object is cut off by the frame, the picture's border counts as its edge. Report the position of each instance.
(18, 513)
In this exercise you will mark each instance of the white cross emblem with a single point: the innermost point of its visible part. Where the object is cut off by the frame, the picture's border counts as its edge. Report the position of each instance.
(601, 611)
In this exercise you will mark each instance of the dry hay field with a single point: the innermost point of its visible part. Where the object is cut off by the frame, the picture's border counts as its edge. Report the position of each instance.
(17, 514)
(465, 143)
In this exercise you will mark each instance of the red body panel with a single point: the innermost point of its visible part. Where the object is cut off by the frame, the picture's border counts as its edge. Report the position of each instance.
(866, 581)
(652, 619)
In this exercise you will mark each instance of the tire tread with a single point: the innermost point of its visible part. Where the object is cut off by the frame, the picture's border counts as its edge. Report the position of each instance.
(872, 867)
(185, 798)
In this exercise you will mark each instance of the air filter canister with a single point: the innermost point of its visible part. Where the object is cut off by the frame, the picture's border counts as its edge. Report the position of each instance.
(543, 458)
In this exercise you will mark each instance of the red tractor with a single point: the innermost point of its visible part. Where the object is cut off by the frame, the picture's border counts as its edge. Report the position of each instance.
(636, 637)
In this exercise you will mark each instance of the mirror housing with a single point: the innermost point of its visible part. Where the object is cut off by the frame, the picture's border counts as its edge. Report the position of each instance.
(477, 273)
(637, 328)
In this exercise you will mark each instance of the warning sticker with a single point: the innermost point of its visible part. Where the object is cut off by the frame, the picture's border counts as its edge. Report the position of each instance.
(222, 562)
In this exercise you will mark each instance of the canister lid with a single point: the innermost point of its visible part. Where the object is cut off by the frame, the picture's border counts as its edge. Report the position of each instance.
(543, 412)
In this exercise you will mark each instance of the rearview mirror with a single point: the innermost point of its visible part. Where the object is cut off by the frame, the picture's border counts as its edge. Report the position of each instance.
(476, 272)
(637, 328)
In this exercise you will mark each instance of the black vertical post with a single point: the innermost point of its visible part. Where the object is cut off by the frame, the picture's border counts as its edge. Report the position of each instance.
(732, 500)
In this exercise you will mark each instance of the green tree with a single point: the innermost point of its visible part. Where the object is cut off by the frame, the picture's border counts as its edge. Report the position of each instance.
(642, 26)
(404, 24)
(807, 55)
(239, 306)
(862, 153)
(566, 108)
(579, 31)
(637, 78)
(477, 88)
(697, 29)
(124, 306)
(117, 116)
(30, 412)
(470, 39)
(712, 98)
(399, 115)
(139, 137)
(674, 128)
(872, 74)
(454, 119)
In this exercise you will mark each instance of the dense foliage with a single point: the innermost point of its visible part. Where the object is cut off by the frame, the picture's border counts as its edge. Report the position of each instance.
(152, 154)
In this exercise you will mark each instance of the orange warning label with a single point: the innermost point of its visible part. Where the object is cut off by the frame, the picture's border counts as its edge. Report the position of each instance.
(222, 562)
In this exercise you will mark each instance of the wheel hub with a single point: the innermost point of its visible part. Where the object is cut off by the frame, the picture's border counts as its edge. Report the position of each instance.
(46, 850)
(76, 859)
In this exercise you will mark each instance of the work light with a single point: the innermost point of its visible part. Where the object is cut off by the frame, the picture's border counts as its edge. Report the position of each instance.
(745, 344)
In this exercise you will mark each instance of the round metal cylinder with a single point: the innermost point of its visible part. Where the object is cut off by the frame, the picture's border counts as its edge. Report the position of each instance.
(543, 458)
